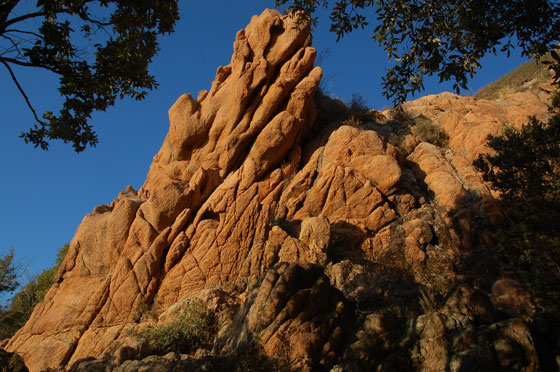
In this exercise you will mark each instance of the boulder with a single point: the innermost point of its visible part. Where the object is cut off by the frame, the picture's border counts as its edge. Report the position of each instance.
(295, 314)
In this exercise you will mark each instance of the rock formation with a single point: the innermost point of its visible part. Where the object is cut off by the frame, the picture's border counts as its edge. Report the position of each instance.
(315, 220)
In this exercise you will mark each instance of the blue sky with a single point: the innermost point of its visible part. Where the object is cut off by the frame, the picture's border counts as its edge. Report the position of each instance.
(45, 195)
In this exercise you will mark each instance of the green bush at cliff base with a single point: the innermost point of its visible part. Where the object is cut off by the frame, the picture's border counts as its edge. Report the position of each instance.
(192, 328)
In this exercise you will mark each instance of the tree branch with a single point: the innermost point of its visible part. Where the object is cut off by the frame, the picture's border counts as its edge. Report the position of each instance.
(101, 24)
(41, 14)
(27, 64)
(15, 45)
(24, 17)
(22, 92)
(23, 32)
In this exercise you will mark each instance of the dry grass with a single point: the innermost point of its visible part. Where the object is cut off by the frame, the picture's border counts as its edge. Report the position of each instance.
(430, 132)
(526, 77)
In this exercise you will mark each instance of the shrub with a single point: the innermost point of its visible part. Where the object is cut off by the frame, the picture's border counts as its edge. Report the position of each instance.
(525, 169)
(430, 132)
(252, 358)
(194, 327)
(357, 104)
(359, 115)
(527, 162)
(357, 111)
(400, 115)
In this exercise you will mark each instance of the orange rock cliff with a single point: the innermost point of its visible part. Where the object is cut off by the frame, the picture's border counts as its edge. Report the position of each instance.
(351, 243)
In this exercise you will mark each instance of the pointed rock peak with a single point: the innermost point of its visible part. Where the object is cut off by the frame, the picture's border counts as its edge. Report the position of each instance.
(134, 252)
(271, 56)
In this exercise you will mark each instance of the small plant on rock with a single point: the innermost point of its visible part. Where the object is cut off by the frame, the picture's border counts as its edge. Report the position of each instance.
(430, 132)
(357, 112)
(357, 104)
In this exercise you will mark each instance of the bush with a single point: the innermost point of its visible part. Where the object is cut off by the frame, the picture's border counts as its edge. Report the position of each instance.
(430, 132)
(357, 104)
(357, 111)
(193, 328)
(11, 362)
(526, 171)
(252, 358)
(526, 166)
(400, 115)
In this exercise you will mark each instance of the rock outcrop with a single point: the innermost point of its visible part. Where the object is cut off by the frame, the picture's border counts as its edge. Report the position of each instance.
(351, 245)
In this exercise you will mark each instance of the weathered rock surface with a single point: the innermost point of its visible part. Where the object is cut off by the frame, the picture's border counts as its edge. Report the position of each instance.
(296, 314)
(451, 340)
(336, 243)
(204, 208)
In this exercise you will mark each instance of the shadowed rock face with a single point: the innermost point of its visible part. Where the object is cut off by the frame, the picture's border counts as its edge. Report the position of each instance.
(348, 241)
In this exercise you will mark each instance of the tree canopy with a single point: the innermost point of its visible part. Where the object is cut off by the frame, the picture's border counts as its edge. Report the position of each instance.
(21, 305)
(9, 273)
(100, 49)
(440, 37)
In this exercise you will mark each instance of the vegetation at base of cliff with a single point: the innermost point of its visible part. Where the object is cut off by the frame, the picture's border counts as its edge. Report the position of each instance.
(524, 78)
(20, 307)
(192, 328)
(253, 358)
(11, 362)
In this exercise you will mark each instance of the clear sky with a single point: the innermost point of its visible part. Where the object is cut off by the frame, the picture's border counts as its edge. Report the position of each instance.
(45, 195)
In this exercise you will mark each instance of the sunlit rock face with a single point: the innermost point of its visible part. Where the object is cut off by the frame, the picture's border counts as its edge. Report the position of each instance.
(346, 240)
(205, 206)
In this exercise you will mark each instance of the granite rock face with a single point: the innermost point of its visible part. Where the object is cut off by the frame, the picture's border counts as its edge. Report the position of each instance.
(204, 208)
(350, 245)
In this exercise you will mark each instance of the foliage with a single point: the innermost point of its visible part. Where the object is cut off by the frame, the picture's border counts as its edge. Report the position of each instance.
(526, 166)
(9, 273)
(525, 169)
(554, 66)
(24, 301)
(440, 37)
(252, 358)
(192, 328)
(11, 362)
(357, 104)
(358, 111)
(122, 35)
(430, 132)
(536, 253)
(400, 115)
